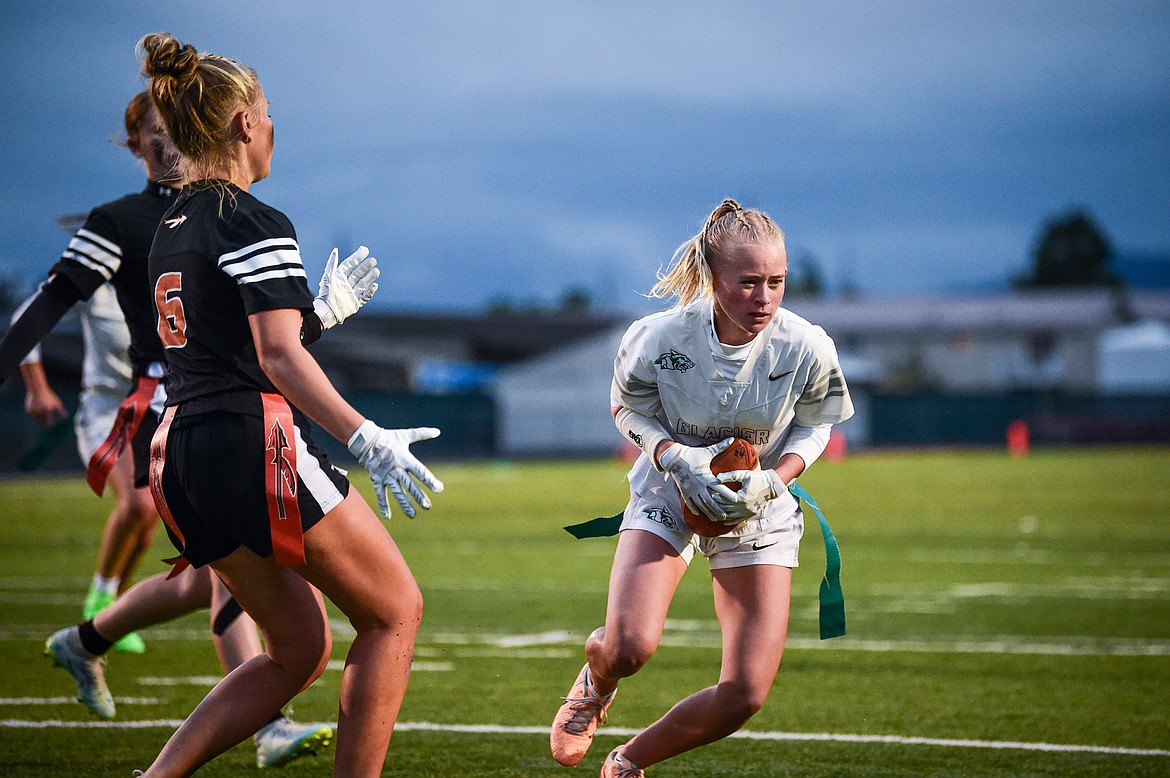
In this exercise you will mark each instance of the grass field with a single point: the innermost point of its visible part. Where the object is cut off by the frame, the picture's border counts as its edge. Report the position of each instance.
(1006, 618)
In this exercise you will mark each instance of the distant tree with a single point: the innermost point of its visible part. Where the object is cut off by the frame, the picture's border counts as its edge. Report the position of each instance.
(805, 279)
(1071, 250)
(575, 300)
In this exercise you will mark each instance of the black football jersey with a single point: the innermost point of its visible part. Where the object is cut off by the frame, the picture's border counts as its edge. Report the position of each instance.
(218, 256)
(114, 245)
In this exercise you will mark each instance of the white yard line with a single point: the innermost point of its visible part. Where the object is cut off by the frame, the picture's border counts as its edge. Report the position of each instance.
(73, 701)
(699, 634)
(495, 729)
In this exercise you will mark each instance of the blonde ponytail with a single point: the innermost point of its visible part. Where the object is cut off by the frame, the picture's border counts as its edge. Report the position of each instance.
(690, 276)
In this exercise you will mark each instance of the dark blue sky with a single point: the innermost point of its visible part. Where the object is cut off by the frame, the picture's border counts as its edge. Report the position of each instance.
(515, 150)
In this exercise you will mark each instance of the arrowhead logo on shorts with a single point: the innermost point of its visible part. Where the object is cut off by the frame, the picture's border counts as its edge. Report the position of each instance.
(672, 360)
(284, 477)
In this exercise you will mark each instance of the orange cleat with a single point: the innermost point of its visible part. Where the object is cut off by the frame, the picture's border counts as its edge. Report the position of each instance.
(577, 720)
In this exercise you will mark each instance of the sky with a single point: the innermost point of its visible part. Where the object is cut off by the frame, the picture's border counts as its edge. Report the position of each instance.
(513, 152)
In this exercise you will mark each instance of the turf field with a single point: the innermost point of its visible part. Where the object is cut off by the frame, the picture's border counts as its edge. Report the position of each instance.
(1006, 618)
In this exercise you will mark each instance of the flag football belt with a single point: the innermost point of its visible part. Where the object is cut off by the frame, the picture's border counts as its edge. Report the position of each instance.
(832, 598)
(158, 459)
(280, 483)
(126, 423)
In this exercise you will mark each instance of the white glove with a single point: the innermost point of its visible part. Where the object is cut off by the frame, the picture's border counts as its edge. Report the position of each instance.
(690, 466)
(386, 455)
(346, 287)
(758, 487)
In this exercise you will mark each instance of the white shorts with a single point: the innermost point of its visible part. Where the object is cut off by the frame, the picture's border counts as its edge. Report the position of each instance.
(773, 540)
(96, 411)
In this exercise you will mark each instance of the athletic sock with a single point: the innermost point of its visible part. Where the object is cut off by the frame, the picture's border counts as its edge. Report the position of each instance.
(91, 640)
(105, 585)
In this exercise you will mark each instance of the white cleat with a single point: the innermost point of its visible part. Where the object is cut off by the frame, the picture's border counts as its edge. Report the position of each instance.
(88, 671)
(617, 766)
(281, 741)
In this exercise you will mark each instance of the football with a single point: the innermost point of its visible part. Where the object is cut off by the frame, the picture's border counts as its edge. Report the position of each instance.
(740, 455)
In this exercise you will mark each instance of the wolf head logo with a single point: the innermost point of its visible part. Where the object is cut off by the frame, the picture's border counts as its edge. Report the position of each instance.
(662, 516)
(672, 360)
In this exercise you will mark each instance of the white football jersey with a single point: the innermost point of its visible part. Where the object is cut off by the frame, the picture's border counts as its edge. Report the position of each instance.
(666, 368)
(106, 364)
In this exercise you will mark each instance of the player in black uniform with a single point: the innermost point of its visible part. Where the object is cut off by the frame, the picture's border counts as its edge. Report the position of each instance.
(113, 245)
(239, 483)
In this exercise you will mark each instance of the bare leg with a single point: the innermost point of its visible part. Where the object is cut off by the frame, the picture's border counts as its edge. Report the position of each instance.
(154, 600)
(646, 572)
(752, 605)
(129, 530)
(240, 641)
(157, 599)
(359, 567)
(298, 643)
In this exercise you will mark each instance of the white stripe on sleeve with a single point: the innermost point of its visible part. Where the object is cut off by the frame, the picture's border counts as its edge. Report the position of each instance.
(271, 258)
(94, 252)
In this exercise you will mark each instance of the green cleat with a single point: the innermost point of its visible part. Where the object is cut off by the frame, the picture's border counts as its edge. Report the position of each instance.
(97, 601)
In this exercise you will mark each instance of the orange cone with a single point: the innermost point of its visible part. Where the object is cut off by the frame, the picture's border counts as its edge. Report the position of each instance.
(1019, 438)
(835, 448)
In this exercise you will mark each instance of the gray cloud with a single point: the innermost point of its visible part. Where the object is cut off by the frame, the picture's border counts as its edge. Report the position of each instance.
(490, 149)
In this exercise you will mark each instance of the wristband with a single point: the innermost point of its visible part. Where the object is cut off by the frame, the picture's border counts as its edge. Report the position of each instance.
(643, 431)
(362, 438)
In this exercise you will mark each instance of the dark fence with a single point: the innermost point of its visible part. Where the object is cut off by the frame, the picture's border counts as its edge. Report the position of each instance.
(467, 422)
(1053, 418)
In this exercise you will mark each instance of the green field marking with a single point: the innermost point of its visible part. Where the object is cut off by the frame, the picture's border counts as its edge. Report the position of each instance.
(1005, 620)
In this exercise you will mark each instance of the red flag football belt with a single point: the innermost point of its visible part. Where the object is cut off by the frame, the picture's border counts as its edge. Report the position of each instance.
(158, 459)
(280, 481)
(130, 414)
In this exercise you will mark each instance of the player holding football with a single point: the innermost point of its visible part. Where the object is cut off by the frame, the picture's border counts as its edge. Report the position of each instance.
(234, 471)
(726, 360)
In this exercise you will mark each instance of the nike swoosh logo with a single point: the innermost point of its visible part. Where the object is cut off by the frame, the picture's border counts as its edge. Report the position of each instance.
(172, 223)
(758, 547)
(778, 377)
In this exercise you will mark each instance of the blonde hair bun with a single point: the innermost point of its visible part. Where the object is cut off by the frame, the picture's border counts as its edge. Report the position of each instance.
(166, 58)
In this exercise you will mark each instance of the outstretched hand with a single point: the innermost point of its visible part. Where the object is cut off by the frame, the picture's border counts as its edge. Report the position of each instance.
(345, 287)
(386, 455)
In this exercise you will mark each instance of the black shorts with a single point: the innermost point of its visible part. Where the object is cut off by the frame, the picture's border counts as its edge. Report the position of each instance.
(213, 481)
(140, 446)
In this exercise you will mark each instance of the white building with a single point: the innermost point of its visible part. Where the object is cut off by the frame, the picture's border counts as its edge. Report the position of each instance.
(558, 403)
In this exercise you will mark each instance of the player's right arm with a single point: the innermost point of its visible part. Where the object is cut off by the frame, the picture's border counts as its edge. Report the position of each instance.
(384, 453)
(645, 432)
(91, 259)
(39, 315)
(40, 401)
